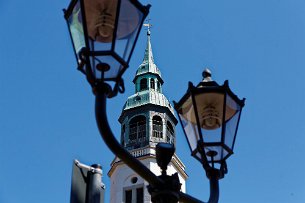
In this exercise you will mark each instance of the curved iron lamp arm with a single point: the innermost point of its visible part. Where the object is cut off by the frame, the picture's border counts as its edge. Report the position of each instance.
(113, 144)
(101, 94)
(214, 189)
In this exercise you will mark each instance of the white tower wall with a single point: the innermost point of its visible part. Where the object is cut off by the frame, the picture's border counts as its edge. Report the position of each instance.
(121, 177)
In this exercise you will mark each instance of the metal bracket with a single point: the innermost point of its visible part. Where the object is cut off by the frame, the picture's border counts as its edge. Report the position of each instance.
(167, 192)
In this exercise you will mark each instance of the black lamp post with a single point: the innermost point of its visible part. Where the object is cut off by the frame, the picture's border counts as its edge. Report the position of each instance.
(104, 34)
(209, 115)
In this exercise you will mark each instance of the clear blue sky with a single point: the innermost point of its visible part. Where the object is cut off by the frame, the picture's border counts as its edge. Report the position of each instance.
(46, 106)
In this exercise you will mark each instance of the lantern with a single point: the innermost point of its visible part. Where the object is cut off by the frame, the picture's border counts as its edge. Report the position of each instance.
(209, 115)
(104, 34)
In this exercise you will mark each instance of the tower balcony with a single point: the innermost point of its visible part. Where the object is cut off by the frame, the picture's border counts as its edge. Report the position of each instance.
(138, 143)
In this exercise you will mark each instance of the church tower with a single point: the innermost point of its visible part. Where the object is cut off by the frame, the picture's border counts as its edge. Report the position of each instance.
(147, 118)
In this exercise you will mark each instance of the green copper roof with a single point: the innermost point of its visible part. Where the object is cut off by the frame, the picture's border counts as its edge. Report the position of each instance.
(148, 71)
(148, 65)
(147, 97)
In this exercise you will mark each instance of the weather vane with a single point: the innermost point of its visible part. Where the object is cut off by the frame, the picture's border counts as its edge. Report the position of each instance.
(148, 25)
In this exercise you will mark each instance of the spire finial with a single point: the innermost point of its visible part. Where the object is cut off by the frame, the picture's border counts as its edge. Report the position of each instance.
(207, 75)
(148, 57)
(148, 25)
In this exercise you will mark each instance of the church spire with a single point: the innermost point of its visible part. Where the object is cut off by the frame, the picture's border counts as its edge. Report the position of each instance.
(148, 65)
(147, 119)
(148, 56)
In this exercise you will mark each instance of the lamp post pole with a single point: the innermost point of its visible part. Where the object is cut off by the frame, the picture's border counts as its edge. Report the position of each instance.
(87, 185)
(93, 193)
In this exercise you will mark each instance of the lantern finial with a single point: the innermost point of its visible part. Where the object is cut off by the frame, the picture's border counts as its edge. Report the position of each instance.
(207, 75)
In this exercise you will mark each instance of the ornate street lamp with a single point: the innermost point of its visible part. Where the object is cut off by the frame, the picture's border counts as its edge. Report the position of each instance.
(209, 115)
(104, 34)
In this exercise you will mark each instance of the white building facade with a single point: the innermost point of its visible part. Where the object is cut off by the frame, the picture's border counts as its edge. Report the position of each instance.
(147, 119)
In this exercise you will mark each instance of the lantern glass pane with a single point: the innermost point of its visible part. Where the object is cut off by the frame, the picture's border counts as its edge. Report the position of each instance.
(111, 35)
(198, 155)
(210, 114)
(100, 18)
(129, 22)
(221, 153)
(111, 74)
(232, 115)
(75, 23)
(186, 114)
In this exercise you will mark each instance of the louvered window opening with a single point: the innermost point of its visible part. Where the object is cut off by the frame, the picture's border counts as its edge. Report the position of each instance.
(143, 84)
(152, 83)
(137, 130)
(158, 86)
(170, 133)
(157, 127)
(170, 136)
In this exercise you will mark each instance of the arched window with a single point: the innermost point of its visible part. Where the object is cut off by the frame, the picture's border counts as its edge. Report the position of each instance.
(169, 132)
(152, 83)
(137, 129)
(143, 84)
(157, 127)
(158, 86)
